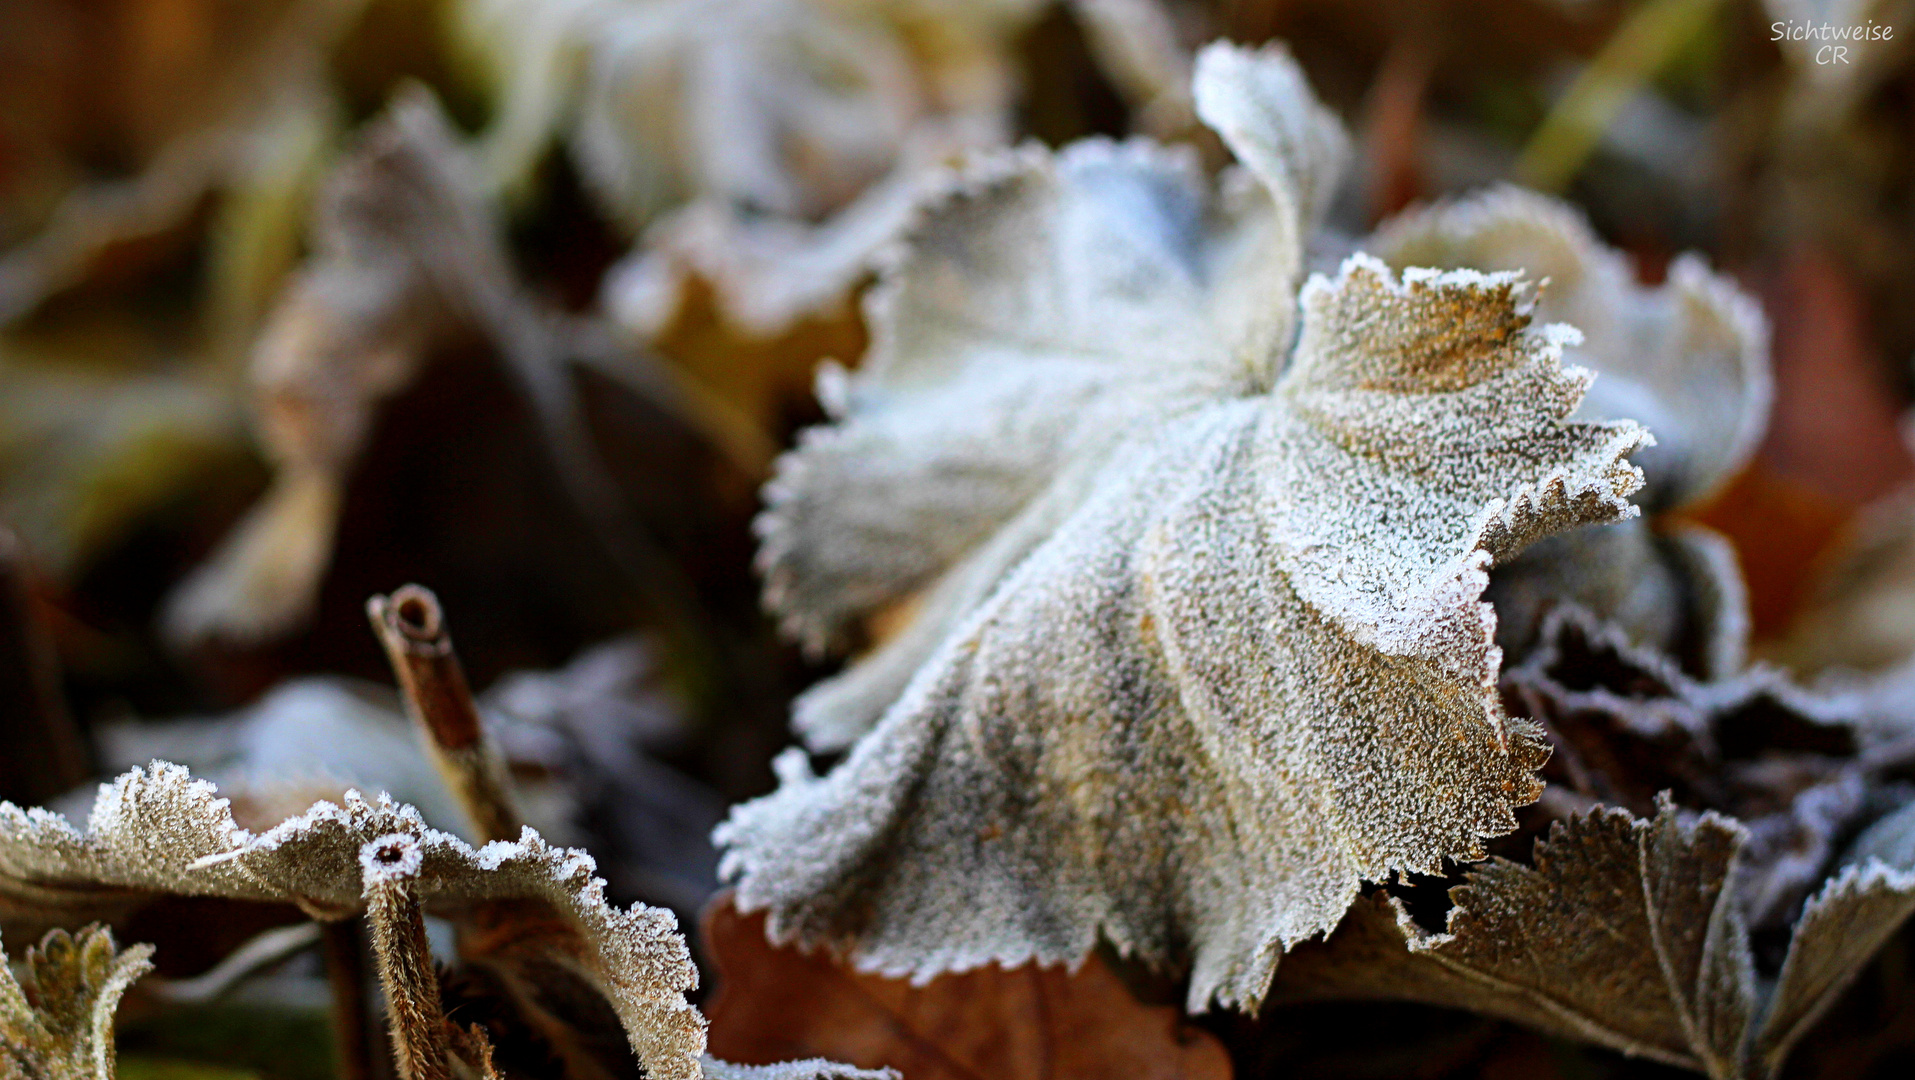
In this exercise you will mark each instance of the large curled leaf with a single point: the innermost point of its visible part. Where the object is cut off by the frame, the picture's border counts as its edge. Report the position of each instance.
(60, 1025)
(1201, 647)
(1688, 359)
(159, 830)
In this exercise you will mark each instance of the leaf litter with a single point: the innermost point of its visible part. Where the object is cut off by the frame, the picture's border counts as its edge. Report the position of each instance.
(1198, 608)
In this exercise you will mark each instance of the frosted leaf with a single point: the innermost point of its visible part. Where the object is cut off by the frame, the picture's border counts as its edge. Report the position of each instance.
(1842, 926)
(769, 271)
(403, 248)
(59, 1026)
(789, 107)
(1203, 644)
(1688, 359)
(1002, 366)
(772, 148)
(407, 257)
(1136, 44)
(304, 740)
(1625, 932)
(763, 147)
(1677, 589)
(160, 830)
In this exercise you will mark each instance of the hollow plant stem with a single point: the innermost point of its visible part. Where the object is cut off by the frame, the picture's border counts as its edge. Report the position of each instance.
(411, 626)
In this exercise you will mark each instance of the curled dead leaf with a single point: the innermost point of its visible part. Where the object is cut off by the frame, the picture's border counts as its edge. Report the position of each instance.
(1203, 640)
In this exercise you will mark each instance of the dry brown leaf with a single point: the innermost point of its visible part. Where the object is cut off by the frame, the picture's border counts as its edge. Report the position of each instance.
(59, 1025)
(775, 1002)
(1860, 608)
(1779, 527)
(1831, 377)
(1627, 726)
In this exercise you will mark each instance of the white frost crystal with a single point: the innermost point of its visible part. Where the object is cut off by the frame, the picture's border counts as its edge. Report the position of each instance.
(1200, 642)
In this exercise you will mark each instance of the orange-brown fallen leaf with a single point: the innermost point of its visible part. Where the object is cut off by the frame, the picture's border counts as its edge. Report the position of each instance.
(1834, 442)
(775, 1003)
(1836, 426)
(1780, 526)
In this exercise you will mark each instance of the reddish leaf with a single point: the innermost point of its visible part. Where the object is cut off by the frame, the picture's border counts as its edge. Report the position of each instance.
(1837, 421)
(1834, 442)
(1779, 526)
(776, 1003)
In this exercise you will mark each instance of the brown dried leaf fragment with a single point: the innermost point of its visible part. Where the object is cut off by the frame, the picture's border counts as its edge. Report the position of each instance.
(59, 1025)
(1024, 1024)
(1626, 933)
(1860, 611)
(1202, 646)
(1627, 724)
